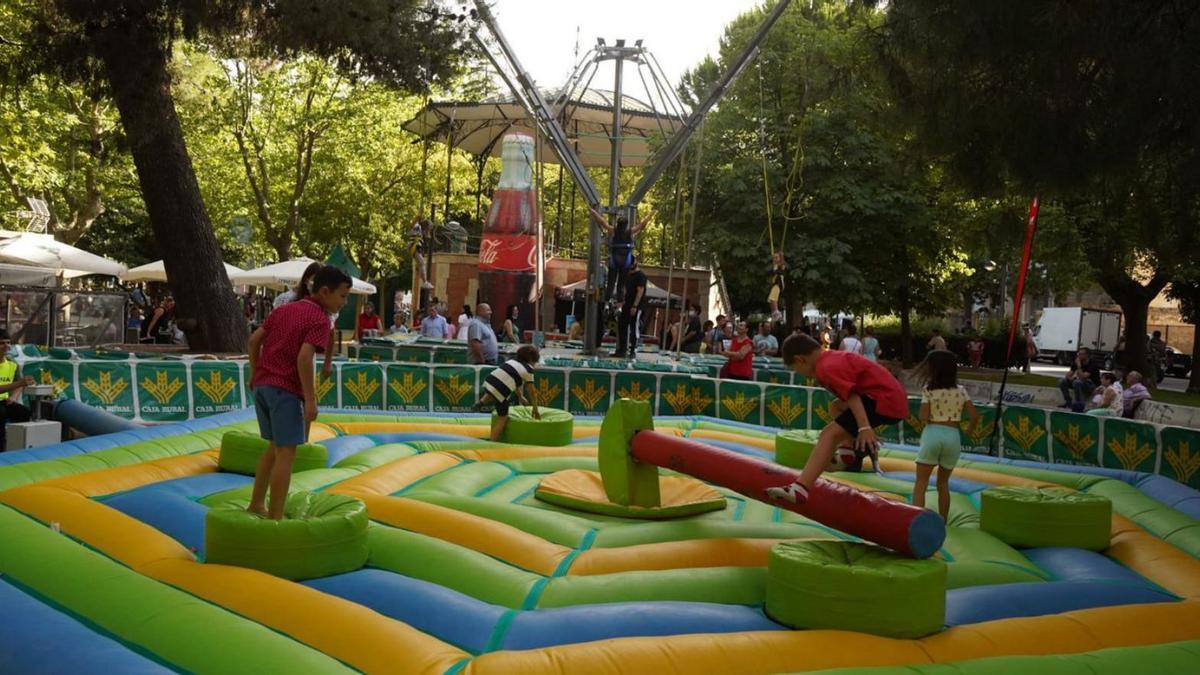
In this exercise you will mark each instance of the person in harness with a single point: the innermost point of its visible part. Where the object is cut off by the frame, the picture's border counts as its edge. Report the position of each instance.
(620, 247)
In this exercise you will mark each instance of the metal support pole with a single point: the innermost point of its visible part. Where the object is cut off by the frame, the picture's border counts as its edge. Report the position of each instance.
(675, 145)
(449, 159)
(596, 284)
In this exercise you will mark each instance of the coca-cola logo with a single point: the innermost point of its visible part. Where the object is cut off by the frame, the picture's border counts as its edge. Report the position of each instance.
(489, 251)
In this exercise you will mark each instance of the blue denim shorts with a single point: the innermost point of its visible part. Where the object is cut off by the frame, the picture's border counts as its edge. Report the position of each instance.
(280, 416)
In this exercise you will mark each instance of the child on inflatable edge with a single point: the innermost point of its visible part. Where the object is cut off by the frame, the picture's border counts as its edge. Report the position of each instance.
(869, 396)
(281, 375)
(942, 404)
(507, 381)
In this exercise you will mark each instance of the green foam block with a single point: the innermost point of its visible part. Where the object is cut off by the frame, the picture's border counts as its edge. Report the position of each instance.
(1033, 517)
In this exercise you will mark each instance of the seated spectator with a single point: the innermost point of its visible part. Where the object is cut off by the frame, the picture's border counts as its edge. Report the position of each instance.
(765, 344)
(576, 332)
(1081, 381)
(368, 320)
(398, 326)
(1135, 392)
(1108, 400)
(706, 346)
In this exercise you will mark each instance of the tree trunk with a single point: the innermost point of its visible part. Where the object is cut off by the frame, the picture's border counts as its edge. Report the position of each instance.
(906, 348)
(1134, 299)
(135, 60)
(1194, 383)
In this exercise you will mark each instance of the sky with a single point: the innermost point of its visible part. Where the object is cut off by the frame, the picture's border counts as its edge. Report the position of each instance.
(678, 32)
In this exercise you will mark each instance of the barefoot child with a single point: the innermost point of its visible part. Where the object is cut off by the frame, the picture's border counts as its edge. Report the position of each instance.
(941, 409)
(507, 381)
(281, 367)
(868, 397)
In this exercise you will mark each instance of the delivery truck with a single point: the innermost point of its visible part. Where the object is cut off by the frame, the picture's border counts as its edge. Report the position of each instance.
(1063, 330)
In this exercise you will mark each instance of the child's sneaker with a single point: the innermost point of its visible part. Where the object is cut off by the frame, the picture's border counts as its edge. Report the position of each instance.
(794, 493)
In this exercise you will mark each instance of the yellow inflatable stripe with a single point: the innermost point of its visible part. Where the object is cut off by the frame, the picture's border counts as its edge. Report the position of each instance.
(796, 651)
(674, 555)
(754, 441)
(1155, 559)
(397, 475)
(122, 538)
(491, 537)
(471, 430)
(120, 479)
(347, 631)
(320, 432)
(342, 629)
(501, 454)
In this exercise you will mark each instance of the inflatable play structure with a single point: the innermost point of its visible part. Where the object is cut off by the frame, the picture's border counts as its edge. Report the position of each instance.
(631, 544)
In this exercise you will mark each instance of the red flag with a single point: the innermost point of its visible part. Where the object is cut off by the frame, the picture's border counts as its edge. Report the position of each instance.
(1030, 229)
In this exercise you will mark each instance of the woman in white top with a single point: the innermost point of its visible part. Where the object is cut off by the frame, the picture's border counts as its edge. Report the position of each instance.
(464, 320)
(870, 345)
(1108, 401)
(851, 343)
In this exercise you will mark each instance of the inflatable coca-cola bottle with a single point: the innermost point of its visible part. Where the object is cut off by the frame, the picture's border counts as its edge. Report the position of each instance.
(508, 254)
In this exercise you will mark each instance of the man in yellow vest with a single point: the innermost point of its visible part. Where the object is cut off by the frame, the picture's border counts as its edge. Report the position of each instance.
(11, 383)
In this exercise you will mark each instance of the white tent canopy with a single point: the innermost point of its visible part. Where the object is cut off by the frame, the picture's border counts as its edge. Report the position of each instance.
(287, 274)
(156, 272)
(43, 250)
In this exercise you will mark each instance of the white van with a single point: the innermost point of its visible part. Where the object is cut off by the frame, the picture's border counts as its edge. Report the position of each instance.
(1063, 330)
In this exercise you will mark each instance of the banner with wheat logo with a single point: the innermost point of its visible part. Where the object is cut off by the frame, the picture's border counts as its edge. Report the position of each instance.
(456, 388)
(1025, 434)
(740, 401)
(1074, 438)
(590, 391)
(1131, 446)
(785, 407)
(408, 388)
(107, 386)
(162, 392)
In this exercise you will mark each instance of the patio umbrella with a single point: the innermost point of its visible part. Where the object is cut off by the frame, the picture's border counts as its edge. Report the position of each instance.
(287, 274)
(156, 272)
(478, 126)
(43, 250)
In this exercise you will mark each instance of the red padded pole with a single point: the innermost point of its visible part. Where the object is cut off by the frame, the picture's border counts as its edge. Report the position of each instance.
(901, 527)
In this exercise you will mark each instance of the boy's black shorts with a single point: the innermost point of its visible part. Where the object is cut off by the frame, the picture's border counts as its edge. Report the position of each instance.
(846, 419)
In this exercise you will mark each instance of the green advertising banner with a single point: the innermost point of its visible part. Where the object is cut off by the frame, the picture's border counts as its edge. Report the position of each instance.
(913, 426)
(739, 401)
(450, 355)
(822, 413)
(1181, 455)
(326, 388)
(1132, 446)
(637, 386)
(589, 391)
(408, 388)
(162, 391)
(413, 354)
(376, 354)
(1074, 438)
(247, 390)
(549, 388)
(455, 388)
(216, 388)
(107, 386)
(773, 376)
(980, 439)
(685, 395)
(61, 374)
(1025, 434)
(361, 386)
(785, 407)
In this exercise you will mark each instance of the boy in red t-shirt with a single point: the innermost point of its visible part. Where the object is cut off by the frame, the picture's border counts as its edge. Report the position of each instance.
(281, 375)
(868, 397)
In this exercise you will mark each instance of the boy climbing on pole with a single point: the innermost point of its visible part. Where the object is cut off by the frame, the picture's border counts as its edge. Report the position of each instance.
(507, 381)
(868, 397)
(281, 375)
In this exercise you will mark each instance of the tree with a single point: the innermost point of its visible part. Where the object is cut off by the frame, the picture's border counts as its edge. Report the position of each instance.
(1092, 104)
(125, 47)
(854, 205)
(1186, 290)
